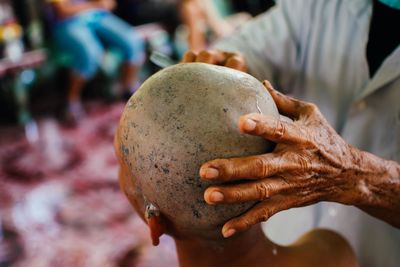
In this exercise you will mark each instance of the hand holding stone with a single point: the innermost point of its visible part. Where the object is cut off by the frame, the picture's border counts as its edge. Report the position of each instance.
(217, 57)
(310, 163)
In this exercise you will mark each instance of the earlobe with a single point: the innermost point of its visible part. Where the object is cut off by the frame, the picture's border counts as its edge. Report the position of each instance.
(155, 223)
(156, 229)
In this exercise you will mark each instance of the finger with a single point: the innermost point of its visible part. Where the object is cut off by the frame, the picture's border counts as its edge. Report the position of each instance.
(287, 105)
(264, 210)
(273, 129)
(210, 57)
(236, 62)
(252, 167)
(251, 191)
(189, 56)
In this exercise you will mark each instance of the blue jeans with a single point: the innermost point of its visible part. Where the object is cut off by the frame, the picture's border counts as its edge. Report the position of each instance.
(82, 37)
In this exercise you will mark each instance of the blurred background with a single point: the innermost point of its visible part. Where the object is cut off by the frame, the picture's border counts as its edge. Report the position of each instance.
(66, 69)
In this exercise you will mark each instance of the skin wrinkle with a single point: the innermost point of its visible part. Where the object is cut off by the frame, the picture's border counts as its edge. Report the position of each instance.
(263, 190)
(326, 168)
(263, 165)
(197, 249)
(279, 186)
(279, 130)
(238, 195)
(324, 163)
(280, 163)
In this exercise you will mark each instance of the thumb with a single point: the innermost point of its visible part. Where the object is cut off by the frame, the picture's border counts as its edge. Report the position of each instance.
(287, 106)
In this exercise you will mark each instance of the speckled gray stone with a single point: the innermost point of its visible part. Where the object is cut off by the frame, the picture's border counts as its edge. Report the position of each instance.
(181, 117)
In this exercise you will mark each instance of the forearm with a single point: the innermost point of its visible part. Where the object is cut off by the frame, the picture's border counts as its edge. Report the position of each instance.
(375, 187)
(190, 17)
(216, 23)
(65, 9)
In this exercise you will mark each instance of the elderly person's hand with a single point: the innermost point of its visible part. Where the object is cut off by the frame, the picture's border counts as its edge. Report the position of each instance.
(217, 57)
(310, 163)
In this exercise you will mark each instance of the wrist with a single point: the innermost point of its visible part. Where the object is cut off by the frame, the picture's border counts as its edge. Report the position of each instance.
(372, 180)
(360, 174)
(393, 171)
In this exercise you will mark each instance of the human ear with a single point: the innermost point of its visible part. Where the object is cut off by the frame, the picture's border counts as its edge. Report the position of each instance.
(155, 222)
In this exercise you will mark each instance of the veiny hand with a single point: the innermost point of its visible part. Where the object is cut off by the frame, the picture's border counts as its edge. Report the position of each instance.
(217, 57)
(310, 163)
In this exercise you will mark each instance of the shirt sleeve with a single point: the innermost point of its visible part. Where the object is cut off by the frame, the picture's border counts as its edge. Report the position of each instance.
(271, 42)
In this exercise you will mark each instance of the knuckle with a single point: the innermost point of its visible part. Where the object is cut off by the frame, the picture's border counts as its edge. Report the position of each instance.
(205, 56)
(234, 60)
(247, 223)
(264, 218)
(226, 167)
(237, 196)
(264, 215)
(304, 163)
(205, 53)
(189, 56)
(263, 190)
(280, 129)
(261, 167)
(310, 108)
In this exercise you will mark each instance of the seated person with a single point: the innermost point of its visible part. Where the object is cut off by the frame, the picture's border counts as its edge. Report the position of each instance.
(201, 18)
(181, 117)
(81, 29)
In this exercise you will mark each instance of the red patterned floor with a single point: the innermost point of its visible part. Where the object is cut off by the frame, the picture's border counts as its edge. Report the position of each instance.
(60, 204)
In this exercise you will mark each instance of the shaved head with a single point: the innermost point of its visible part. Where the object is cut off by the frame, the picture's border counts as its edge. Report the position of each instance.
(180, 118)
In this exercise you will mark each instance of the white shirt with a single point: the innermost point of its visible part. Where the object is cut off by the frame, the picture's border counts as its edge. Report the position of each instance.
(316, 51)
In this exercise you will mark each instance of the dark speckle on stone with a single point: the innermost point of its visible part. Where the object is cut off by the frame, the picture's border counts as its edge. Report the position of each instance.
(225, 110)
(181, 109)
(134, 125)
(200, 148)
(156, 166)
(201, 201)
(195, 212)
(165, 170)
(125, 150)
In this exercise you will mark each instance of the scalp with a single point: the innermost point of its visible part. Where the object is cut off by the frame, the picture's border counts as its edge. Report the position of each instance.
(180, 118)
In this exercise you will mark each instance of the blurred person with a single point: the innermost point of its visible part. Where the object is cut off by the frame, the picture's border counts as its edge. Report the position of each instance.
(81, 29)
(201, 18)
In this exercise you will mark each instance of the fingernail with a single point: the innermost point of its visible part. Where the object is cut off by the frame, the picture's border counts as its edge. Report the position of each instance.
(216, 196)
(229, 233)
(209, 173)
(249, 125)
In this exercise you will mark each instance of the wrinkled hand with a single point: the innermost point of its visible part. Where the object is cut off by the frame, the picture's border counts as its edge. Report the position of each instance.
(217, 57)
(107, 4)
(310, 163)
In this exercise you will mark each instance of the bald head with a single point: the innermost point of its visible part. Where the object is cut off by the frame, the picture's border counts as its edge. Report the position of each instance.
(180, 118)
